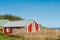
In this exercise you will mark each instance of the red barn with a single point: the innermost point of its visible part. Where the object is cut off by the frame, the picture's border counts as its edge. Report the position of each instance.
(29, 25)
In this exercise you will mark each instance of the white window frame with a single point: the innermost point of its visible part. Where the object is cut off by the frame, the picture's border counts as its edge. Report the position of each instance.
(8, 29)
(33, 24)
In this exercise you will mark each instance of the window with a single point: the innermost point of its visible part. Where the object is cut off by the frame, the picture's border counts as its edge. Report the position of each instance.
(13, 28)
(8, 29)
(33, 24)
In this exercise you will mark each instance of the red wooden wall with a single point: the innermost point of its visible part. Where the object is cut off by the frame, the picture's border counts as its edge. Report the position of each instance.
(5, 30)
(30, 28)
(36, 27)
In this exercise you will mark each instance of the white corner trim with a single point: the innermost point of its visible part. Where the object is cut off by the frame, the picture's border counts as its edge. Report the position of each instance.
(28, 25)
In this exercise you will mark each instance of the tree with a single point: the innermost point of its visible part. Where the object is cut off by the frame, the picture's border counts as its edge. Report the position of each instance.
(11, 17)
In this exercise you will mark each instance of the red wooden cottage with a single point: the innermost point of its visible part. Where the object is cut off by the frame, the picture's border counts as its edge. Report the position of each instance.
(29, 25)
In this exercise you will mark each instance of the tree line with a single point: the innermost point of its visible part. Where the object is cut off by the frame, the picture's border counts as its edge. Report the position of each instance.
(10, 17)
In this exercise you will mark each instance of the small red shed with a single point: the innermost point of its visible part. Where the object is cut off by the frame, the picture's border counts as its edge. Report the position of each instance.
(29, 25)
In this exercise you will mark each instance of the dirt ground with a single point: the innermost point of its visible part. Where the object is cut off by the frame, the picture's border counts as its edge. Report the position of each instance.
(43, 34)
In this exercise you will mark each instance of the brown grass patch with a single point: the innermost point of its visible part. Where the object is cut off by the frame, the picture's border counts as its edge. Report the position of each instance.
(43, 34)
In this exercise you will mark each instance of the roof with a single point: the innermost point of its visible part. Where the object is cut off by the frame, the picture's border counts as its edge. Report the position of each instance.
(21, 23)
(3, 22)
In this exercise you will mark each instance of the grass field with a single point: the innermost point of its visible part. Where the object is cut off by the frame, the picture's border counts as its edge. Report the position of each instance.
(6, 37)
(9, 37)
(43, 34)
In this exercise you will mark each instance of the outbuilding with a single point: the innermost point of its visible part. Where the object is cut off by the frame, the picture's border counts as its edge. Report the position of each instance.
(3, 22)
(28, 25)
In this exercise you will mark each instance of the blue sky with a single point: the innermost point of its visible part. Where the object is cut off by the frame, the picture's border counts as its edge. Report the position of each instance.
(46, 12)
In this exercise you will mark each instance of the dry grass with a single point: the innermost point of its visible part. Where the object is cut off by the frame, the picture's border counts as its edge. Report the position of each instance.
(0, 28)
(43, 34)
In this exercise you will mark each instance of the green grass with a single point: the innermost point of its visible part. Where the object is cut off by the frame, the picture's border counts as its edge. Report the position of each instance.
(6, 37)
(9, 37)
(2, 37)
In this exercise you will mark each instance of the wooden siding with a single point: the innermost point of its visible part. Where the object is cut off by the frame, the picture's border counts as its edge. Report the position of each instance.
(30, 28)
(5, 30)
(37, 27)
